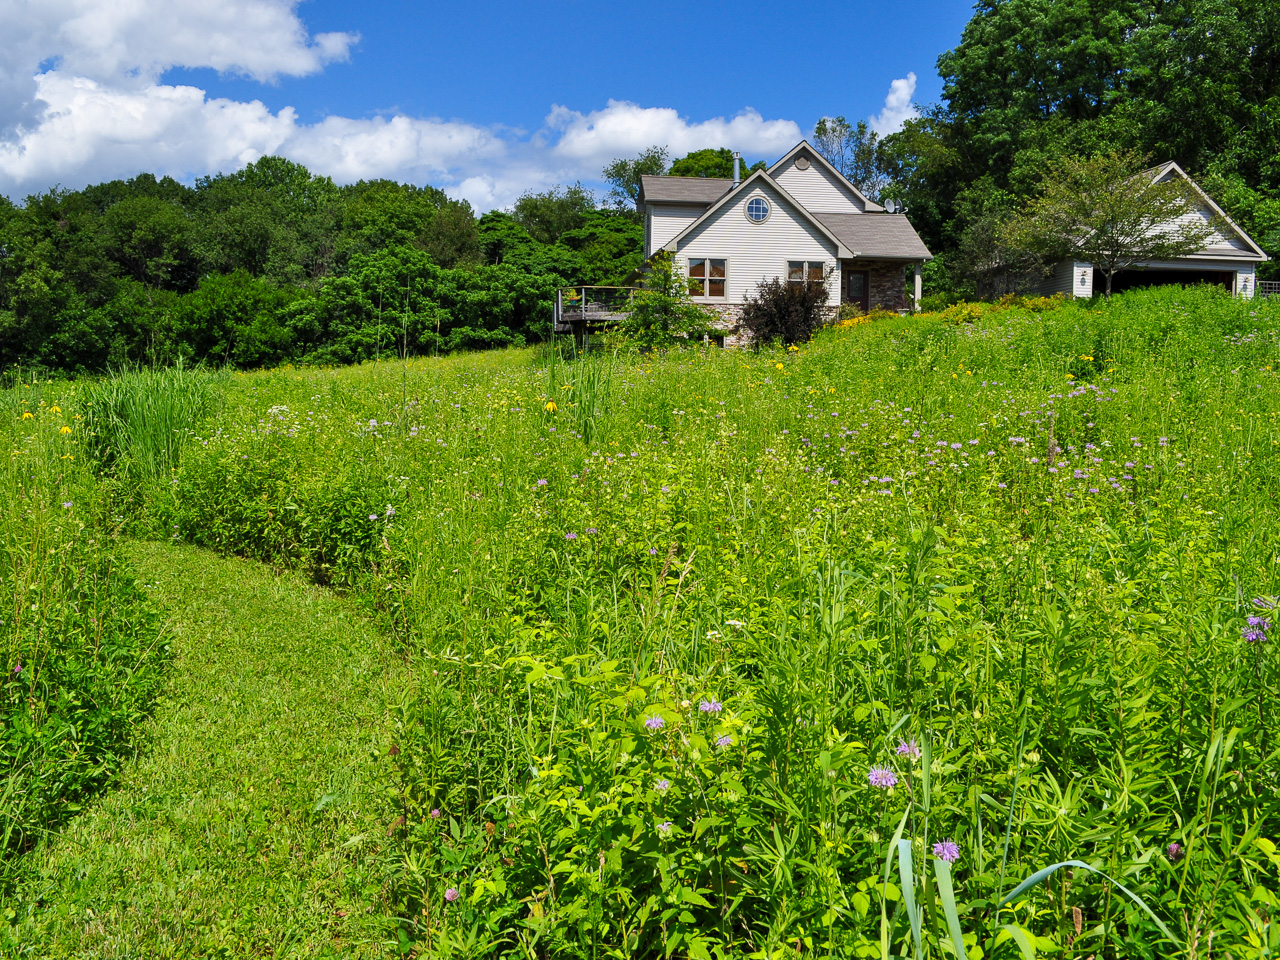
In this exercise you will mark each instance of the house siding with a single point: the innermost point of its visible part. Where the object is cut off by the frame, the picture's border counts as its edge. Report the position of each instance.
(1070, 278)
(817, 189)
(667, 222)
(759, 251)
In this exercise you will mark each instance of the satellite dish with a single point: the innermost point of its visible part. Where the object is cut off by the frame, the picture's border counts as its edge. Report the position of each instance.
(891, 206)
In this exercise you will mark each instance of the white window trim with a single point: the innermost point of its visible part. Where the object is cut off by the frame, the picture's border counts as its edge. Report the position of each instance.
(786, 268)
(706, 281)
(769, 209)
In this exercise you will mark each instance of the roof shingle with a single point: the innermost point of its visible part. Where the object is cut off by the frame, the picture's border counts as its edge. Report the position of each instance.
(887, 236)
(700, 190)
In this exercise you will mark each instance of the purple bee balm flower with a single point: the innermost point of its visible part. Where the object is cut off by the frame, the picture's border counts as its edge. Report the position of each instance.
(663, 785)
(665, 828)
(725, 741)
(908, 748)
(1174, 850)
(653, 551)
(451, 894)
(654, 723)
(66, 505)
(542, 483)
(373, 516)
(711, 706)
(571, 535)
(592, 530)
(882, 777)
(946, 850)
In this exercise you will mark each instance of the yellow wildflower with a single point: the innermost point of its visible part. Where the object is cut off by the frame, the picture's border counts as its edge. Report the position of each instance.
(777, 365)
(27, 415)
(550, 407)
(55, 409)
(65, 429)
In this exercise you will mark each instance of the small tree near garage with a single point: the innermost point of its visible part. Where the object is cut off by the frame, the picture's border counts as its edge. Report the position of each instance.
(1106, 210)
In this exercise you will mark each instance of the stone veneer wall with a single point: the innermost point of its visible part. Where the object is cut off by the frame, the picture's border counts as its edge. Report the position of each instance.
(727, 317)
(887, 280)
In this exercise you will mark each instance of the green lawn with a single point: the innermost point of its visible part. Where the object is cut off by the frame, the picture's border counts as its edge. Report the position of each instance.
(253, 822)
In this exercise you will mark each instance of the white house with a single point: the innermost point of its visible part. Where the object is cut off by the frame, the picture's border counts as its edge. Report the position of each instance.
(1228, 259)
(800, 218)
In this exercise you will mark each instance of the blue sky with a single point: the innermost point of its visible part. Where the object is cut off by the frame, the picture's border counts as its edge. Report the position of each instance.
(484, 100)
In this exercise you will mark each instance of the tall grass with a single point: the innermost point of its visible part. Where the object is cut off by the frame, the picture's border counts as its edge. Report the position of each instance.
(708, 642)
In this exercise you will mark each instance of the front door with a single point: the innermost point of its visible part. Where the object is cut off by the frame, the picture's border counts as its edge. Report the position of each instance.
(857, 289)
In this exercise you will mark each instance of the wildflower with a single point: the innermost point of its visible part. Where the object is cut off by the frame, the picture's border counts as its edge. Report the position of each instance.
(654, 723)
(778, 366)
(882, 777)
(663, 785)
(725, 741)
(571, 535)
(1174, 850)
(451, 894)
(541, 483)
(653, 551)
(435, 814)
(908, 748)
(373, 516)
(27, 415)
(711, 706)
(66, 505)
(550, 406)
(55, 409)
(946, 850)
(665, 828)
(592, 530)
(18, 669)
(64, 429)
(391, 511)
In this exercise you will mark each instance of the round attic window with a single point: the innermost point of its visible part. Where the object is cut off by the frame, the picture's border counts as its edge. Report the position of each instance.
(802, 163)
(757, 209)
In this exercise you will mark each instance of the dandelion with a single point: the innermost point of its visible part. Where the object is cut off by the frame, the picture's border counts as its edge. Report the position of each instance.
(882, 778)
(451, 894)
(654, 723)
(946, 850)
(908, 748)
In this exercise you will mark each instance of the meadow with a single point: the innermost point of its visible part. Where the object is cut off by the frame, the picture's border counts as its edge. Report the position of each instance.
(726, 653)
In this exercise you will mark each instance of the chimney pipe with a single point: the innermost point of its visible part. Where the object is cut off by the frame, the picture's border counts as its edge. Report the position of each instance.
(737, 168)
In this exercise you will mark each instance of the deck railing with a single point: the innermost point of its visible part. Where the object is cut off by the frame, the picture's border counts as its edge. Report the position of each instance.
(1269, 288)
(583, 311)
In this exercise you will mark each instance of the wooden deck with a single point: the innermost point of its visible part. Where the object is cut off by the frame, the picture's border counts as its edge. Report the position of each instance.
(582, 311)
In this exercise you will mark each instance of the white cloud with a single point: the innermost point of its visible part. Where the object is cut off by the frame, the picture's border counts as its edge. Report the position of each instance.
(898, 108)
(624, 129)
(81, 101)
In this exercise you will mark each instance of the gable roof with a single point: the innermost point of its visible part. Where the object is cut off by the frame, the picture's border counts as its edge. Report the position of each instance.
(699, 190)
(1163, 170)
(841, 249)
(815, 156)
(884, 236)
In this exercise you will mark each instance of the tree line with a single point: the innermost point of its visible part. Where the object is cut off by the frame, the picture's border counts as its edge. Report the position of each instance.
(273, 263)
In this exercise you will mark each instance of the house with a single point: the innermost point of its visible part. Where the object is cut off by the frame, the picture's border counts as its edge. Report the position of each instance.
(1228, 259)
(798, 219)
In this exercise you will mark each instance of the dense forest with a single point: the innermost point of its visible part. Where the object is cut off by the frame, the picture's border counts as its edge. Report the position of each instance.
(272, 263)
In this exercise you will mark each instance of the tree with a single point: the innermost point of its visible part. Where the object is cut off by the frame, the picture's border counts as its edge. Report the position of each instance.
(710, 162)
(854, 151)
(624, 176)
(1105, 210)
(547, 215)
(662, 314)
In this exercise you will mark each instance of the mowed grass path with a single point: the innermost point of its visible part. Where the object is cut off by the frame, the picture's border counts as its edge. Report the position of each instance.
(252, 822)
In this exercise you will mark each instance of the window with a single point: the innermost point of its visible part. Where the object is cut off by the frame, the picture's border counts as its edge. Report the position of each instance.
(706, 277)
(798, 271)
(757, 209)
